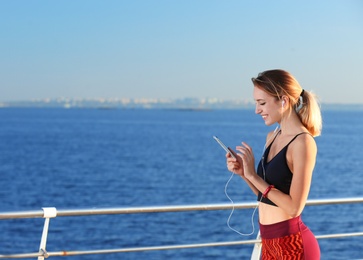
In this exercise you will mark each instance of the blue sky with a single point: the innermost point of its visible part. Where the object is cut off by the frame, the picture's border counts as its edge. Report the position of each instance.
(175, 49)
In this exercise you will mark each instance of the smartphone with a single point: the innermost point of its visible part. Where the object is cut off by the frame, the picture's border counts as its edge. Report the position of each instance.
(227, 149)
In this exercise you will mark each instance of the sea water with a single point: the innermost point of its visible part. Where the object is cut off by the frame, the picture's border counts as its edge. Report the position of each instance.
(98, 158)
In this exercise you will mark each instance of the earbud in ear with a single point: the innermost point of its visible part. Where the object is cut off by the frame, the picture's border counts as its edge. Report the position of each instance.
(283, 103)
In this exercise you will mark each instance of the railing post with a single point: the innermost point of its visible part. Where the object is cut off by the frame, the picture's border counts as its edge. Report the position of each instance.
(48, 213)
(256, 253)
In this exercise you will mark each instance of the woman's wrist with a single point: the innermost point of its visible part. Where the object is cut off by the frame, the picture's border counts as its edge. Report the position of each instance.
(268, 189)
(257, 182)
(251, 177)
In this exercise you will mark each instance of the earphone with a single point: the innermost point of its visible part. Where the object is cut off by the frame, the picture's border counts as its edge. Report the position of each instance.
(283, 103)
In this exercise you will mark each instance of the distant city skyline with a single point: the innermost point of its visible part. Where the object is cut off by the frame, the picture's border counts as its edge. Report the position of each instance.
(153, 103)
(178, 49)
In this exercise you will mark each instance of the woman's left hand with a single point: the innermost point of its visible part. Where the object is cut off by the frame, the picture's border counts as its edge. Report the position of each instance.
(248, 160)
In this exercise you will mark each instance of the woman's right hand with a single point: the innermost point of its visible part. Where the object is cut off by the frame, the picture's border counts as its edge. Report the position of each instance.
(235, 165)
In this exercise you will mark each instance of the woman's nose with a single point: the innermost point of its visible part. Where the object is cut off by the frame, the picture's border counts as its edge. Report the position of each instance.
(257, 110)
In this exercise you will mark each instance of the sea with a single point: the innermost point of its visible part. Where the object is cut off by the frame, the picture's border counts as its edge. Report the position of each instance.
(102, 158)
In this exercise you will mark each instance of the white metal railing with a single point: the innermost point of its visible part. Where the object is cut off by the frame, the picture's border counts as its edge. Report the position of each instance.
(48, 213)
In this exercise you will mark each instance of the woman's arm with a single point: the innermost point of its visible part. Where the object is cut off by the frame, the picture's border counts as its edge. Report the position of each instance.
(301, 158)
(236, 165)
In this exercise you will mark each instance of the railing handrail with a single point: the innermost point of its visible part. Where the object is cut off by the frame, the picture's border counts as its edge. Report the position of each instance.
(161, 209)
(48, 213)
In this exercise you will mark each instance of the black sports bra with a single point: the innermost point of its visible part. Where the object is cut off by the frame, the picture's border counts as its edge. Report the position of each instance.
(277, 171)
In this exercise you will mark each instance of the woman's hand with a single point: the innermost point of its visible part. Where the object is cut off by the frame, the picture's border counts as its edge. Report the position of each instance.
(248, 160)
(235, 165)
(243, 165)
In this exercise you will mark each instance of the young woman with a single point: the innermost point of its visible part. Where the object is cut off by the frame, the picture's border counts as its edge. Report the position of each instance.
(283, 178)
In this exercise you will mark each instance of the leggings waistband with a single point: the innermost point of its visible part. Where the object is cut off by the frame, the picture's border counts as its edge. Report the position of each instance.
(281, 229)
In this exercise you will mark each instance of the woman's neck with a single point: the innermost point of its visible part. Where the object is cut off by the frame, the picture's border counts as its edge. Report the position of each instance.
(290, 124)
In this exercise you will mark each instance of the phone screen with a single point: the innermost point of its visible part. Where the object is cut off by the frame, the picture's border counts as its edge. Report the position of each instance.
(227, 149)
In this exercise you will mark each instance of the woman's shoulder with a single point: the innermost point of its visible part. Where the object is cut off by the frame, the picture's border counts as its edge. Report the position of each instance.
(304, 141)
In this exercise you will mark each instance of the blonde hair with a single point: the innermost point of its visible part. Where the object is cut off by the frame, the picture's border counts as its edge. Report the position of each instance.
(280, 83)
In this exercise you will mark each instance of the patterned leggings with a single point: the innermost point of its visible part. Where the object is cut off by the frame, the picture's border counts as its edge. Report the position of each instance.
(289, 239)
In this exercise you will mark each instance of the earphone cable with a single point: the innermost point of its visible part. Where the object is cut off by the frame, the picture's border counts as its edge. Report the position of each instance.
(232, 211)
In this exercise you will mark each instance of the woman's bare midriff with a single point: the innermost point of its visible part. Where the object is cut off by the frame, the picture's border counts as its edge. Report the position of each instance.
(269, 214)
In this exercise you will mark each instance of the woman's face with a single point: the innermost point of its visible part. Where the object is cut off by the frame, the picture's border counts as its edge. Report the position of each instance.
(267, 106)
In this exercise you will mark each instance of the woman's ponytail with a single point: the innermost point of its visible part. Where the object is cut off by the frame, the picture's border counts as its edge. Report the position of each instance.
(309, 112)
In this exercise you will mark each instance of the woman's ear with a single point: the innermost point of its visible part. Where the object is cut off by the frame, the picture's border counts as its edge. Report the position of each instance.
(284, 100)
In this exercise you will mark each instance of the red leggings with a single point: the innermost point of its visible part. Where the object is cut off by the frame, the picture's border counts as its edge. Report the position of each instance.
(289, 239)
